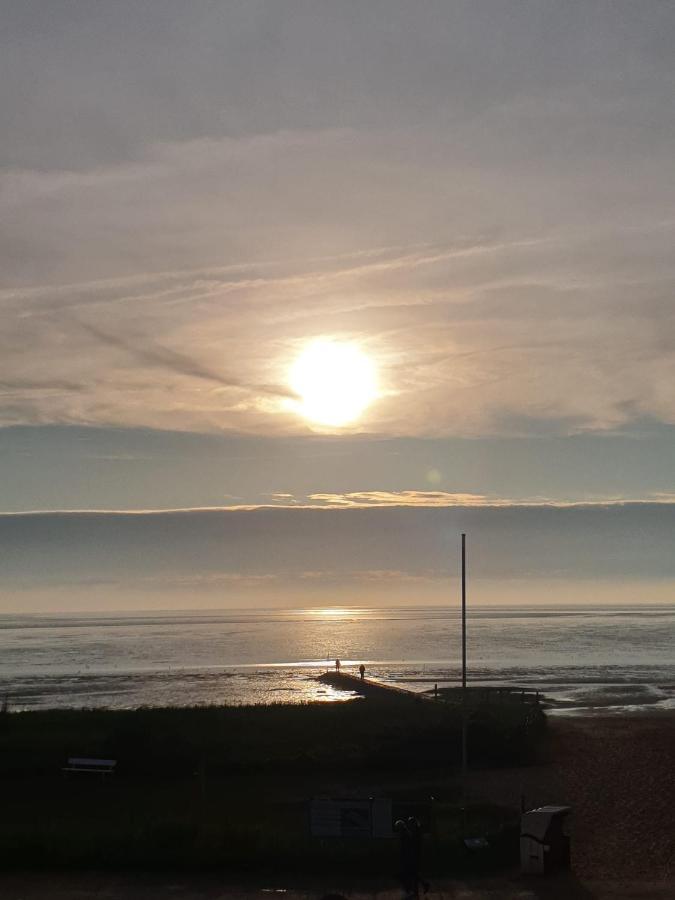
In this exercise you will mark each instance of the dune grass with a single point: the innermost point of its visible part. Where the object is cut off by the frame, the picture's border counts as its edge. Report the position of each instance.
(292, 738)
(229, 786)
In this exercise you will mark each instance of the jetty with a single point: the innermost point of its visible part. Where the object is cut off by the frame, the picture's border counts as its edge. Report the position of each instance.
(366, 687)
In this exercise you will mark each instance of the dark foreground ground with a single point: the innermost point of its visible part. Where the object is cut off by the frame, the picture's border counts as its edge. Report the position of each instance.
(106, 886)
(228, 788)
(616, 773)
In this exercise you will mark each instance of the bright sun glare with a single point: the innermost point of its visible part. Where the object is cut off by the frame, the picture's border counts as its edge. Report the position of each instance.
(335, 382)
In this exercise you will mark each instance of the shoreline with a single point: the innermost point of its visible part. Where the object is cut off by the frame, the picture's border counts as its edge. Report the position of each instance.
(161, 688)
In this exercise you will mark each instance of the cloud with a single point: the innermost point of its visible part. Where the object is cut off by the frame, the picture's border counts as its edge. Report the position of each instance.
(400, 498)
(433, 499)
(357, 554)
(483, 358)
(273, 580)
(486, 207)
(166, 358)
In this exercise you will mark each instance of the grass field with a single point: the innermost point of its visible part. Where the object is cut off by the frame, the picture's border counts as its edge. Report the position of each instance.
(229, 786)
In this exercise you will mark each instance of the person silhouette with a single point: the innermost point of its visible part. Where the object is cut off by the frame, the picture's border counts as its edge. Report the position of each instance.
(362, 671)
(415, 830)
(337, 666)
(407, 862)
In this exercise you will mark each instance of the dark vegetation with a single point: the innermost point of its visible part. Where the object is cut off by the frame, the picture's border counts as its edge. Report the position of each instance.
(229, 786)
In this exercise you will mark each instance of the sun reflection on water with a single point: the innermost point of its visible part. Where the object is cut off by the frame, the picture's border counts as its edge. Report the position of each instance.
(335, 612)
(330, 612)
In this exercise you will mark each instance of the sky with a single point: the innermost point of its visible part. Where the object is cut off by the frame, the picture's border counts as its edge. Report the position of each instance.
(479, 196)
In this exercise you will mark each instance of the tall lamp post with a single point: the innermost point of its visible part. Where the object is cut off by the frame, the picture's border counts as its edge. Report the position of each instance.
(463, 612)
(464, 698)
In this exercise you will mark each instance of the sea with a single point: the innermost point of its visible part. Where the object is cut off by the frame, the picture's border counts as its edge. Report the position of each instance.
(585, 661)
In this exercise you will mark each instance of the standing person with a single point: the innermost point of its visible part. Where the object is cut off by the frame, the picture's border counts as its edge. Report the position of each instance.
(415, 829)
(407, 870)
(362, 671)
(337, 666)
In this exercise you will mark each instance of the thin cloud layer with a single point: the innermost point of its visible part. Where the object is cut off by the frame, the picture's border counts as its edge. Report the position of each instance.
(480, 197)
(230, 557)
(399, 498)
(431, 499)
(211, 352)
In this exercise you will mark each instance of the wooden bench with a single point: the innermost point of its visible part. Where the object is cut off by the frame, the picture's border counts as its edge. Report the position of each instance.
(84, 765)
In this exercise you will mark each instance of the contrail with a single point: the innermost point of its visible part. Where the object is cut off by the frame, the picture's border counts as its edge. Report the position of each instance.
(31, 384)
(164, 357)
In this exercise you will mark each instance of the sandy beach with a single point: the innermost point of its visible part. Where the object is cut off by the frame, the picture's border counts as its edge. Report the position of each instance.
(617, 774)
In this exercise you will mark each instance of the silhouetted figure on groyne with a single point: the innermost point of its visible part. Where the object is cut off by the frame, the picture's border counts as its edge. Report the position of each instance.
(337, 666)
(362, 671)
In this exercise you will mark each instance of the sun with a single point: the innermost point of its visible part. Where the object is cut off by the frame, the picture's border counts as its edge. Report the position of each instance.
(334, 382)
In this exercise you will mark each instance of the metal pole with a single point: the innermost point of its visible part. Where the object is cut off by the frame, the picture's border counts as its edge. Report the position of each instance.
(464, 698)
(463, 611)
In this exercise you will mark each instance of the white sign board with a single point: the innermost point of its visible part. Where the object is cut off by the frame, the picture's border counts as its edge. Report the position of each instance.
(350, 818)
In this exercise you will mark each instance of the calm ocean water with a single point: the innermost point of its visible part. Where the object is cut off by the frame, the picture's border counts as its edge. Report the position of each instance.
(590, 659)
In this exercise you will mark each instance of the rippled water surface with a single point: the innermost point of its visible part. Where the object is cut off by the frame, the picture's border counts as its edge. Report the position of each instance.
(609, 658)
